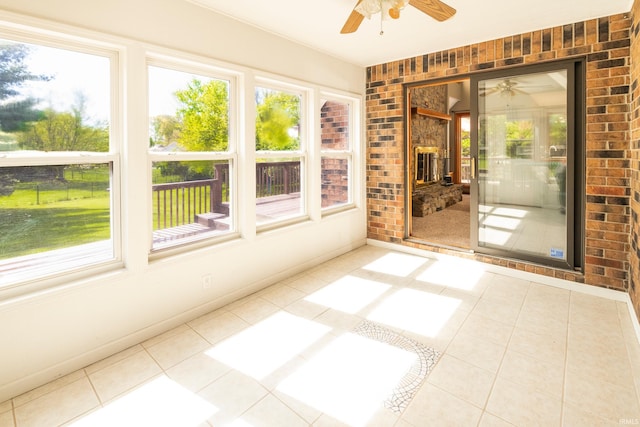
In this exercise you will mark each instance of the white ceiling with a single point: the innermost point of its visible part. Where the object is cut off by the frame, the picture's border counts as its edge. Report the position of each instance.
(317, 24)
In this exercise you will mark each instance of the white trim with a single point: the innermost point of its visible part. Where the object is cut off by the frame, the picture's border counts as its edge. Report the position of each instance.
(610, 294)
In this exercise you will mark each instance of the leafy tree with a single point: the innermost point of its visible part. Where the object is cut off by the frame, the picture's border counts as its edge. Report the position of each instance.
(166, 129)
(13, 74)
(519, 137)
(64, 132)
(278, 117)
(204, 115)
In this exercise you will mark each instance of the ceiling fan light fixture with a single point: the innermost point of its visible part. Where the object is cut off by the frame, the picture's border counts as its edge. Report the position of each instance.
(387, 8)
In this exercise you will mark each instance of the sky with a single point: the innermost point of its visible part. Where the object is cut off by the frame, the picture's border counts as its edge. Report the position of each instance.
(72, 74)
(76, 73)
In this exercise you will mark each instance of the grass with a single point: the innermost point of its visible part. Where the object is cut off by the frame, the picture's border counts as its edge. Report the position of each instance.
(49, 215)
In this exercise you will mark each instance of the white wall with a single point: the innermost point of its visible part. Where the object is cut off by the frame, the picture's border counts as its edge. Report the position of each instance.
(50, 334)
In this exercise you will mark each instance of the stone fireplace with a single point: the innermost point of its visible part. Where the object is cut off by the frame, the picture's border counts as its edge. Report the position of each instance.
(429, 147)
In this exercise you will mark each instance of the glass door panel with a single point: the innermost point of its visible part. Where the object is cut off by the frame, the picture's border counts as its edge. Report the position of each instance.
(519, 165)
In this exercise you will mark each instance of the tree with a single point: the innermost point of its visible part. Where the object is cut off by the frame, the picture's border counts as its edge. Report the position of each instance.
(204, 114)
(277, 121)
(13, 74)
(166, 129)
(64, 132)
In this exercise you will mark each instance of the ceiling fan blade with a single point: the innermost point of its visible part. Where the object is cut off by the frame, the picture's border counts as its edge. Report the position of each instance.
(353, 21)
(434, 8)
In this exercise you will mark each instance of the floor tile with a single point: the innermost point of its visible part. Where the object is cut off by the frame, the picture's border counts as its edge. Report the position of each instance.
(124, 375)
(232, 395)
(197, 372)
(477, 351)
(308, 413)
(499, 310)
(525, 352)
(586, 393)
(282, 295)
(48, 388)
(535, 374)
(177, 348)
(307, 283)
(164, 336)
(157, 402)
(6, 406)
(433, 406)
(463, 380)
(6, 419)
(573, 416)
(255, 310)
(219, 327)
(523, 405)
(489, 329)
(507, 289)
(490, 420)
(545, 347)
(113, 359)
(58, 406)
(270, 412)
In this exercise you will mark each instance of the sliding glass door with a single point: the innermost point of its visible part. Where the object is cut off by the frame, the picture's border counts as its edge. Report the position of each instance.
(523, 161)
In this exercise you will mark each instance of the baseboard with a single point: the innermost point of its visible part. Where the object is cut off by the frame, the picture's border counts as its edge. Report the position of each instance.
(525, 275)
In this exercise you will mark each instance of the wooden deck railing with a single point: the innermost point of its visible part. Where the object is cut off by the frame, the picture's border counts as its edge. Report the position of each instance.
(178, 203)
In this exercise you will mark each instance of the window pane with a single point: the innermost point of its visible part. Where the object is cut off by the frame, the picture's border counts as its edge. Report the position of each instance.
(334, 125)
(277, 190)
(53, 218)
(277, 120)
(53, 99)
(187, 112)
(190, 200)
(335, 182)
(522, 140)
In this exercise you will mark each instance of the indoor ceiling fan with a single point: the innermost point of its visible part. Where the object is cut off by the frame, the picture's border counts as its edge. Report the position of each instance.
(391, 9)
(509, 88)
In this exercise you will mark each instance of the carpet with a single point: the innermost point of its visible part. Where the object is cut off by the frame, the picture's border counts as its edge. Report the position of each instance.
(450, 226)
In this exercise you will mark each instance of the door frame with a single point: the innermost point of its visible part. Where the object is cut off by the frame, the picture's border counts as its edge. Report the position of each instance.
(575, 201)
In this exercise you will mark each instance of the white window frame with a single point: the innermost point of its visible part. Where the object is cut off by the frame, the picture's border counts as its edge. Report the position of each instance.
(43, 275)
(199, 66)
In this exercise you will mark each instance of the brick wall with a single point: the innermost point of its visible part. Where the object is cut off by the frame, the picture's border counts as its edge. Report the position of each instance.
(634, 287)
(605, 43)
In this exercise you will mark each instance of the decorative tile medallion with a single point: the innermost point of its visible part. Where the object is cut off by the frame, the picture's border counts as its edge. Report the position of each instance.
(426, 360)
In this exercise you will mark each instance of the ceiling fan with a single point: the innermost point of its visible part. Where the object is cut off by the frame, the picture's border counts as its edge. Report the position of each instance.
(509, 88)
(506, 87)
(391, 8)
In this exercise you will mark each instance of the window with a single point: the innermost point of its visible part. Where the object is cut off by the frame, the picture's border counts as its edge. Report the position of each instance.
(58, 160)
(336, 154)
(280, 155)
(191, 154)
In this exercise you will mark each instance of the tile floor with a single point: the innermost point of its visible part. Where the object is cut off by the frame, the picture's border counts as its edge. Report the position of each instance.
(371, 338)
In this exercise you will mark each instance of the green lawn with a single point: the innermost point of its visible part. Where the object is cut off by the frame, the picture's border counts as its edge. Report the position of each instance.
(43, 216)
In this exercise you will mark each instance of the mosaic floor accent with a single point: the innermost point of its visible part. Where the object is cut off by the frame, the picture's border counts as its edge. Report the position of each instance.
(427, 358)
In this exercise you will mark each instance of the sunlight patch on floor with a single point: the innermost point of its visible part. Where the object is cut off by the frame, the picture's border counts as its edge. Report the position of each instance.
(349, 294)
(501, 222)
(161, 402)
(350, 378)
(401, 265)
(457, 274)
(415, 311)
(494, 237)
(516, 213)
(266, 346)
